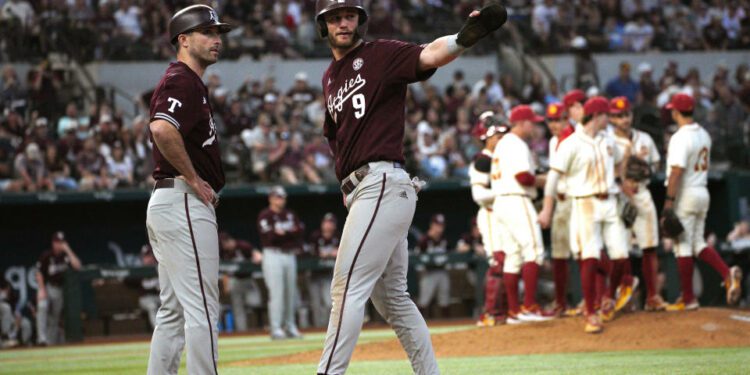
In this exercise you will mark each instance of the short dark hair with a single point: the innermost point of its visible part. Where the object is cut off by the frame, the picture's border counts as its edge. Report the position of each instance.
(686, 114)
(586, 119)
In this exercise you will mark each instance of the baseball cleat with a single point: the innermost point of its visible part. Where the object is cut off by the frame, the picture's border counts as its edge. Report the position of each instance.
(278, 335)
(732, 284)
(655, 303)
(533, 314)
(680, 305)
(293, 333)
(558, 311)
(607, 312)
(486, 320)
(625, 294)
(513, 319)
(593, 324)
(576, 311)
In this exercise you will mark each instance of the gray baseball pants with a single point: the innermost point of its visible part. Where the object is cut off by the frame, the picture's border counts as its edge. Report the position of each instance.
(280, 275)
(243, 292)
(319, 288)
(183, 234)
(48, 316)
(372, 263)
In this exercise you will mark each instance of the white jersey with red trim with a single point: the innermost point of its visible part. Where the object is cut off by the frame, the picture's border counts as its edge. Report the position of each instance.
(511, 157)
(588, 164)
(553, 147)
(639, 144)
(690, 149)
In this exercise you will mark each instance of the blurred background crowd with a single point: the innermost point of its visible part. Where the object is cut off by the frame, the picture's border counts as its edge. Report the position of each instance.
(51, 140)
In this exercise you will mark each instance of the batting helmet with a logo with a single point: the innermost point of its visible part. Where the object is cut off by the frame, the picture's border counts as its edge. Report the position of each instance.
(195, 17)
(324, 6)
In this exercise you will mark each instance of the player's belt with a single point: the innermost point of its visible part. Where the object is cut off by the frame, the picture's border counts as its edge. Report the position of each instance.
(350, 182)
(602, 196)
(165, 183)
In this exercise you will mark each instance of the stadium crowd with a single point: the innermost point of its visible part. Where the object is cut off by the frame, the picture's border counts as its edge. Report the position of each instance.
(137, 29)
(49, 142)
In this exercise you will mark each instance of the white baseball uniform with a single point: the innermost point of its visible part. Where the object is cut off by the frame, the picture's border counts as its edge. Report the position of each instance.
(589, 166)
(690, 149)
(522, 236)
(646, 225)
(481, 192)
(560, 231)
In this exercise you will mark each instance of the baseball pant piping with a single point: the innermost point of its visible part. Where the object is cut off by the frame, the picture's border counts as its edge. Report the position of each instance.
(349, 276)
(200, 281)
(187, 314)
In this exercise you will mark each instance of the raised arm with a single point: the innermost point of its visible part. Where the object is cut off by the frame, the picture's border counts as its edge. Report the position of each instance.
(445, 49)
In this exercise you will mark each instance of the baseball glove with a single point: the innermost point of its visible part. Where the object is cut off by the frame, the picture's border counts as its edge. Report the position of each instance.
(628, 214)
(490, 18)
(637, 169)
(671, 225)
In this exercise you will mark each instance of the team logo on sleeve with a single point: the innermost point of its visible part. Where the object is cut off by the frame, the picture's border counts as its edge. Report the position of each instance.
(173, 102)
(357, 64)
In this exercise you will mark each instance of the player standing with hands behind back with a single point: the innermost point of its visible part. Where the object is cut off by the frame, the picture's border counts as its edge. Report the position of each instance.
(365, 92)
(181, 219)
(686, 204)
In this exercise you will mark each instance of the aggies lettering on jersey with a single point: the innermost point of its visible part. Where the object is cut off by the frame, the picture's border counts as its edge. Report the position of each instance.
(180, 98)
(365, 94)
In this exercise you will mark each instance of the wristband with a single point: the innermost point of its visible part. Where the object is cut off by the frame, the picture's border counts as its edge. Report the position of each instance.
(453, 47)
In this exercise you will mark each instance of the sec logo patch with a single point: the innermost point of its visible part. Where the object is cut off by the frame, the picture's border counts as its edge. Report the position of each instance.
(357, 64)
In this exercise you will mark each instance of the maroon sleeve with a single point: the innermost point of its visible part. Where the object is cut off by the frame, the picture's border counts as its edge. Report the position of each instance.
(43, 265)
(173, 103)
(403, 61)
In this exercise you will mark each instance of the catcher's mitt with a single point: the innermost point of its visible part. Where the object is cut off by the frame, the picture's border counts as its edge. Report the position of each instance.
(637, 169)
(670, 225)
(628, 214)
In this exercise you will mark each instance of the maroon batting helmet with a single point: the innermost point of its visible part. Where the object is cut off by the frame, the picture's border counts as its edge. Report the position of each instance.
(324, 6)
(195, 17)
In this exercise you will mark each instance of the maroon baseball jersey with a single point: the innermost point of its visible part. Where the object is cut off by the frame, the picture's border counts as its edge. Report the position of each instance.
(53, 266)
(322, 246)
(428, 245)
(287, 222)
(242, 252)
(365, 95)
(181, 99)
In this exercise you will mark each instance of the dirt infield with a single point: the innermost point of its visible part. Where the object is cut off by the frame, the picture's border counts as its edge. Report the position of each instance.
(706, 328)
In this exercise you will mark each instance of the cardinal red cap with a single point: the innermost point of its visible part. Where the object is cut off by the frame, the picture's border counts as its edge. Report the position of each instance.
(573, 97)
(554, 111)
(682, 103)
(524, 113)
(618, 105)
(596, 106)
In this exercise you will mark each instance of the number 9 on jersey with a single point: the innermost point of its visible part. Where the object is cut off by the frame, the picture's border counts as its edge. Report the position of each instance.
(358, 102)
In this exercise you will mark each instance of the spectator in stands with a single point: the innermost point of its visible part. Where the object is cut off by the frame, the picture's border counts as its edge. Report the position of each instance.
(71, 120)
(324, 245)
(646, 82)
(732, 20)
(18, 10)
(623, 85)
(58, 169)
(120, 167)
(492, 88)
(263, 145)
(739, 237)
(715, 37)
(236, 120)
(31, 170)
(318, 158)
(434, 282)
(242, 289)
(92, 167)
(8, 182)
(730, 121)
(301, 94)
(543, 17)
(128, 17)
(638, 34)
(50, 277)
(281, 234)
(12, 94)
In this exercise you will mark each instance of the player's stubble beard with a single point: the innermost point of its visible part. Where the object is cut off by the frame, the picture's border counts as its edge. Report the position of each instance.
(344, 46)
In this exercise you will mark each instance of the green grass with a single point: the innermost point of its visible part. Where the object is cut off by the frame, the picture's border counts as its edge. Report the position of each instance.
(131, 358)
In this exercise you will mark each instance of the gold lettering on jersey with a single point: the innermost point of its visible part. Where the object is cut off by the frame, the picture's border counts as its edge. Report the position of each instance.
(344, 92)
